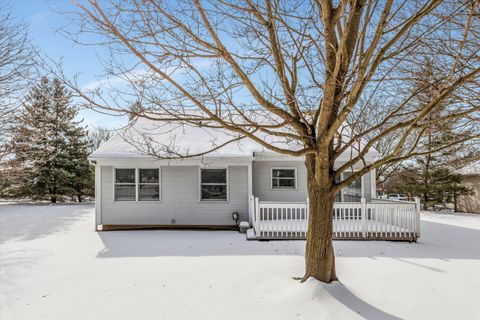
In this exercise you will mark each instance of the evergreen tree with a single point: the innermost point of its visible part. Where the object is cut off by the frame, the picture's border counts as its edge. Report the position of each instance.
(444, 185)
(29, 137)
(50, 146)
(82, 180)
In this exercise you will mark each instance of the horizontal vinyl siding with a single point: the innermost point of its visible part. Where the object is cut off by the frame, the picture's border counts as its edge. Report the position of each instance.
(262, 184)
(180, 200)
(367, 187)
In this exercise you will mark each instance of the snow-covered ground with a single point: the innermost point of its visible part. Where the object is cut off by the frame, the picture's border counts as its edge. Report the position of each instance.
(54, 266)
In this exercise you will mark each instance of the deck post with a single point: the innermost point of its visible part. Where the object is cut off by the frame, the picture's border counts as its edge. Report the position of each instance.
(364, 220)
(256, 211)
(251, 212)
(251, 209)
(417, 213)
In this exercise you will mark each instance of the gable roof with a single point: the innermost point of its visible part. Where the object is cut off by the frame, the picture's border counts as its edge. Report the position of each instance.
(172, 137)
(181, 138)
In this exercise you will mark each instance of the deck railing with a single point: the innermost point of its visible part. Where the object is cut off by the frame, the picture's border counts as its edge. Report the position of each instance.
(382, 220)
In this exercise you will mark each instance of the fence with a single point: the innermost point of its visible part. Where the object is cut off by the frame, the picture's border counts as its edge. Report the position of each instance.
(382, 220)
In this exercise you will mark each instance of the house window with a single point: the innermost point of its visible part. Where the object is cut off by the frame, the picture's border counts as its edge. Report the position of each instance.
(213, 184)
(284, 178)
(149, 185)
(353, 192)
(125, 185)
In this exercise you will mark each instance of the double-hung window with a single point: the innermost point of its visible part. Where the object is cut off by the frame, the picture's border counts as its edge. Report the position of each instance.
(353, 192)
(125, 185)
(129, 182)
(284, 178)
(149, 185)
(213, 184)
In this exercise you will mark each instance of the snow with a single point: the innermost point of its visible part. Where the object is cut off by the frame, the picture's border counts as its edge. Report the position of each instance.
(182, 138)
(472, 169)
(54, 266)
(172, 138)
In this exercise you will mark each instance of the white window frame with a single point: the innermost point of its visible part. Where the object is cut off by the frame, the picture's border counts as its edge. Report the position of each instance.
(140, 183)
(226, 184)
(137, 184)
(362, 183)
(115, 184)
(283, 168)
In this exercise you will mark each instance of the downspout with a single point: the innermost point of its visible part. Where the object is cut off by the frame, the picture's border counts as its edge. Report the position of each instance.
(250, 190)
(98, 195)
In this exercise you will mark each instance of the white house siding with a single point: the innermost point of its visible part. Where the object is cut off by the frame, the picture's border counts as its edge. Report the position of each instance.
(262, 184)
(262, 187)
(180, 200)
(367, 186)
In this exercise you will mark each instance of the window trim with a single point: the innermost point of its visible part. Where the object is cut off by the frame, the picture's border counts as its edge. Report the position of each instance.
(362, 186)
(140, 183)
(283, 168)
(115, 185)
(227, 184)
(137, 184)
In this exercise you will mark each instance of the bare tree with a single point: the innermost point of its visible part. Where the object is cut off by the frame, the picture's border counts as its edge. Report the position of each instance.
(455, 156)
(97, 137)
(302, 73)
(16, 62)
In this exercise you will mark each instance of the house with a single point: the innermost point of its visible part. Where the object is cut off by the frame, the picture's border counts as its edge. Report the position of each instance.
(470, 179)
(137, 190)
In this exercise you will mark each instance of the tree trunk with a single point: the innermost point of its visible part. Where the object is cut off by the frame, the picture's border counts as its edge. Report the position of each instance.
(426, 177)
(455, 207)
(425, 201)
(319, 255)
(53, 198)
(79, 193)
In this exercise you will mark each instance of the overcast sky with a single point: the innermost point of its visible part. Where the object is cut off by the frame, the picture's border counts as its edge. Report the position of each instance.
(45, 18)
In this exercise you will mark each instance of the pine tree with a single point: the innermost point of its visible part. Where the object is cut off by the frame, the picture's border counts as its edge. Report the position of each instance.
(29, 137)
(50, 146)
(82, 179)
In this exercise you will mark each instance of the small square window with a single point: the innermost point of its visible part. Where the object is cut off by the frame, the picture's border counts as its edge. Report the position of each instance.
(284, 178)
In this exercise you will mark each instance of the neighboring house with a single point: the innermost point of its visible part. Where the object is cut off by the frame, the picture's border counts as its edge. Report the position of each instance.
(137, 190)
(470, 179)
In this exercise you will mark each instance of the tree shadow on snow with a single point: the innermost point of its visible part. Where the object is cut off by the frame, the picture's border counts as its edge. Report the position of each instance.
(438, 241)
(190, 243)
(343, 295)
(29, 222)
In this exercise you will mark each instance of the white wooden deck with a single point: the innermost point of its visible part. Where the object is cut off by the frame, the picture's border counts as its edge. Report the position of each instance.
(379, 220)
